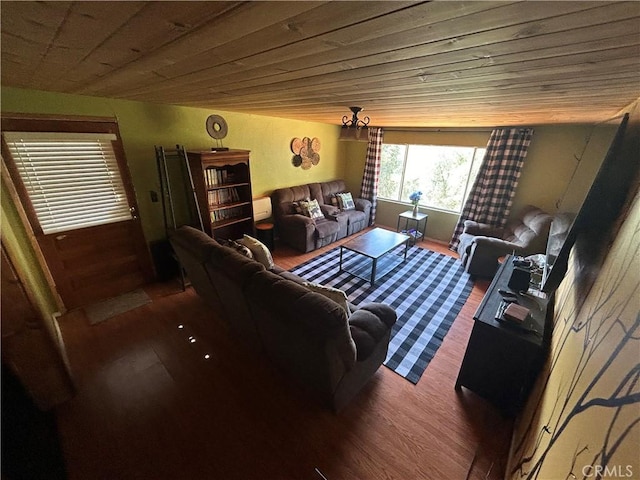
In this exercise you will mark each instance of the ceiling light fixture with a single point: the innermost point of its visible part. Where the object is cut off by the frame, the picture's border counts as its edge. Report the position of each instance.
(354, 128)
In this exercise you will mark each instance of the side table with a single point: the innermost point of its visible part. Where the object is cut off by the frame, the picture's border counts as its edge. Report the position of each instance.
(264, 233)
(415, 233)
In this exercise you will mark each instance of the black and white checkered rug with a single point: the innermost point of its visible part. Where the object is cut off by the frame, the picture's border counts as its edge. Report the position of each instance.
(427, 292)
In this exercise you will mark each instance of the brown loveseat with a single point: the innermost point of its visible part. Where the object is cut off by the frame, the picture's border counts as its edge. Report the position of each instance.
(306, 234)
(308, 336)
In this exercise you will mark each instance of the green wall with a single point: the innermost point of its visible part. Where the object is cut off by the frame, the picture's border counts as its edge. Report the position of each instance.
(547, 172)
(16, 241)
(143, 125)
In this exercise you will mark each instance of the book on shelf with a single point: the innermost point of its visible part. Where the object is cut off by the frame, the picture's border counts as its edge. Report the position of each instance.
(210, 177)
(216, 176)
(223, 196)
(226, 214)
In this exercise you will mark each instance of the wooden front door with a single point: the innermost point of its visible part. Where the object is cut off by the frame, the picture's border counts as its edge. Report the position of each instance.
(105, 253)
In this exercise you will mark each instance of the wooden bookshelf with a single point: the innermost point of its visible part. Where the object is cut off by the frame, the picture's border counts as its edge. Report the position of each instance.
(222, 182)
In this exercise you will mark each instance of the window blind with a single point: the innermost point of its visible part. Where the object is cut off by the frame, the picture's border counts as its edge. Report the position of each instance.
(72, 179)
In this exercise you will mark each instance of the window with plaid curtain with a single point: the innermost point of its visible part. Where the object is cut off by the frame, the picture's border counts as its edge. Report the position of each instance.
(369, 190)
(491, 197)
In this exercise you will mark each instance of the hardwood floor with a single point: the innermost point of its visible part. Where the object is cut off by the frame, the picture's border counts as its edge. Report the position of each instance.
(165, 392)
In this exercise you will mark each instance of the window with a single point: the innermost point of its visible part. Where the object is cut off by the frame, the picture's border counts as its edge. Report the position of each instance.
(443, 174)
(72, 179)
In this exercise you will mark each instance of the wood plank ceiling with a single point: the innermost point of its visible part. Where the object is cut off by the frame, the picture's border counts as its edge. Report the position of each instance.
(453, 63)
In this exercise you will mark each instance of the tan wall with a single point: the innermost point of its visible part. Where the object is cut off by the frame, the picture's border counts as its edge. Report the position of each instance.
(556, 152)
(582, 417)
(548, 170)
(589, 373)
(354, 154)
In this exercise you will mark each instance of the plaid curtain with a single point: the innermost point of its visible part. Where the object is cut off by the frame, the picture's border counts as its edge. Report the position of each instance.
(369, 190)
(492, 193)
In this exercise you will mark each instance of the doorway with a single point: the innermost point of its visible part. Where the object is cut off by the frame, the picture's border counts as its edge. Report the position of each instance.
(73, 181)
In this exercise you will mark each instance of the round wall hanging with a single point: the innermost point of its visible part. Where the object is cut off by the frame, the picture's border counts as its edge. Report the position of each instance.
(217, 127)
(305, 152)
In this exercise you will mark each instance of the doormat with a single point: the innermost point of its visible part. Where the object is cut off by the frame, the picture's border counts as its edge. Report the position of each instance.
(101, 311)
(427, 292)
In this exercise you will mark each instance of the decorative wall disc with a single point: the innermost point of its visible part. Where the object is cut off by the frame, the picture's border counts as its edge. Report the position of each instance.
(216, 127)
(296, 144)
(305, 152)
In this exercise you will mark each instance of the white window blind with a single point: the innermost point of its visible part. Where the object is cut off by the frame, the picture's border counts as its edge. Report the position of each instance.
(72, 179)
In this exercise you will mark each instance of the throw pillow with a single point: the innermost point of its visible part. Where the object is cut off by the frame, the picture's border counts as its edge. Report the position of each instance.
(331, 293)
(334, 200)
(346, 201)
(240, 248)
(311, 209)
(297, 206)
(259, 250)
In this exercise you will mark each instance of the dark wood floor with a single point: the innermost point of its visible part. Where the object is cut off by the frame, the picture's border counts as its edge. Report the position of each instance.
(154, 404)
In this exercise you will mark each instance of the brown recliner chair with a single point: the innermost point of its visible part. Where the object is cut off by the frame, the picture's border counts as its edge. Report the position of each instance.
(481, 245)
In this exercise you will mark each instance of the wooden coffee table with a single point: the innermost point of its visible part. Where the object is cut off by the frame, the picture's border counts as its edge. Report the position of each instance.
(374, 246)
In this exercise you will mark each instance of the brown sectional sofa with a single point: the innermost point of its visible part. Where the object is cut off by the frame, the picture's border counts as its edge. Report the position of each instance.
(306, 335)
(306, 234)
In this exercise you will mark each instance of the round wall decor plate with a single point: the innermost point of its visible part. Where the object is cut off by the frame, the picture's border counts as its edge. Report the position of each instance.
(296, 144)
(216, 127)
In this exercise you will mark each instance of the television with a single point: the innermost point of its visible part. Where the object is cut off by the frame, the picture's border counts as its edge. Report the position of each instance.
(589, 210)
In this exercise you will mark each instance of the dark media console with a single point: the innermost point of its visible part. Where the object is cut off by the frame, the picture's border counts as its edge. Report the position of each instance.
(503, 358)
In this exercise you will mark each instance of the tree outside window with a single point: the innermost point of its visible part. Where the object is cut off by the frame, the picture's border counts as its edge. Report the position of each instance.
(443, 173)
